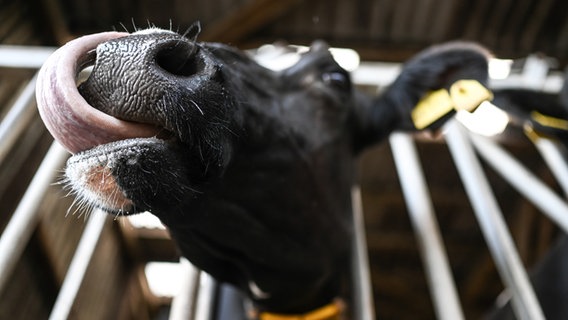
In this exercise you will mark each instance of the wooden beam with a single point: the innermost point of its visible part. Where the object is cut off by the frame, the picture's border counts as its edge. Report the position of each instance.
(57, 21)
(247, 19)
(535, 23)
(476, 20)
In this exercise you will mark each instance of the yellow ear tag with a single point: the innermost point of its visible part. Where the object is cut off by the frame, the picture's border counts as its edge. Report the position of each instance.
(464, 95)
(531, 133)
(548, 121)
(431, 107)
(469, 94)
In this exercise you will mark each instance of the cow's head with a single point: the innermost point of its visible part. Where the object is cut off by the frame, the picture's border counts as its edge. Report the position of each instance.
(249, 168)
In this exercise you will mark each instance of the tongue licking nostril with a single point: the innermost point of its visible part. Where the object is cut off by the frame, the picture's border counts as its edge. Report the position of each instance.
(66, 114)
(138, 77)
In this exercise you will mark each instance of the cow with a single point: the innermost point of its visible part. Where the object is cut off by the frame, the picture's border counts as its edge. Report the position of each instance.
(250, 169)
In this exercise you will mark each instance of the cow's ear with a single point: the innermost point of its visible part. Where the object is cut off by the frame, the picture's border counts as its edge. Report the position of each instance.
(435, 69)
(538, 113)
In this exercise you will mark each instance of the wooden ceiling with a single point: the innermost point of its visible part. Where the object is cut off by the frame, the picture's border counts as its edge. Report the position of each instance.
(386, 30)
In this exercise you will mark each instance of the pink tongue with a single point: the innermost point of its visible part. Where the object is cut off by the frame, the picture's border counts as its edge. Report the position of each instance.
(69, 118)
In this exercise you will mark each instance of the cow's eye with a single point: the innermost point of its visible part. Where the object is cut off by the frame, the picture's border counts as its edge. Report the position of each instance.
(336, 79)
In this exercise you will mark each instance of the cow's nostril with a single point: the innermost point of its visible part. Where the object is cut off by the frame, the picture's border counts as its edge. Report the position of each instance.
(179, 59)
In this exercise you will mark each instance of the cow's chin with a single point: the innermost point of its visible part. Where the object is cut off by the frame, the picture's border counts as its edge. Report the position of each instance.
(91, 176)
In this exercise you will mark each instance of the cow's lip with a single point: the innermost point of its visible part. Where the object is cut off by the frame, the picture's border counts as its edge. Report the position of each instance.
(70, 119)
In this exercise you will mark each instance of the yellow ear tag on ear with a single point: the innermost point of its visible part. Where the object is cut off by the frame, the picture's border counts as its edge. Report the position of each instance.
(469, 94)
(431, 107)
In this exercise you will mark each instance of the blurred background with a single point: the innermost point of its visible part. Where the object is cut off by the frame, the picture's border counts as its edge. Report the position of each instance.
(383, 33)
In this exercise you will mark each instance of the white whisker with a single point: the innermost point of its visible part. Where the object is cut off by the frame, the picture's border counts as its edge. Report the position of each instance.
(197, 106)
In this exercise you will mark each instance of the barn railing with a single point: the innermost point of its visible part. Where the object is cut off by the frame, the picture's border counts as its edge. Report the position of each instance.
(465, 147)
(197, 297)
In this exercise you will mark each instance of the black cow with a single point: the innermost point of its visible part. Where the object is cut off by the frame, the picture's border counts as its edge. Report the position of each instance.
(250, 169)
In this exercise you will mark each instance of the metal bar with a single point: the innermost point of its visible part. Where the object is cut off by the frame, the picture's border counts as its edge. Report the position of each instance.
(493, 226)
(30, 57)
(78, 267)
(17, 119)
(183, 304)
(555, 160)
(421, 210)
(18, 231)
(205, 298)
(363, 307)
(372, 73)
(523, 180)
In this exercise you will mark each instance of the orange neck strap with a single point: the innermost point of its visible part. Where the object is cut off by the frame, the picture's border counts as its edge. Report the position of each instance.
(330, 311)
